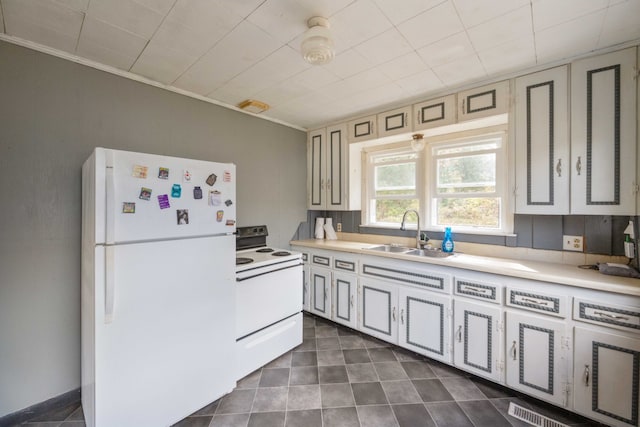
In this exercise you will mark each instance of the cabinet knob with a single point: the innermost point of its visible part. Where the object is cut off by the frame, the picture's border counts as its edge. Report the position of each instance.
(393, 314)
(579, 165)
(402, 316)
(351, 300)
(585, 375)
(459, 333)
(559, 168)
(514, 351)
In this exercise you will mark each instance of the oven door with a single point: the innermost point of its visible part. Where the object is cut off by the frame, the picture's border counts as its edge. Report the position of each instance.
(266, 295)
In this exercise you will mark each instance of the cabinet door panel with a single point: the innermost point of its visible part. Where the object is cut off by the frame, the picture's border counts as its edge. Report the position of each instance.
(378, 308)
(344, 299)
(435, 112)
(362, 129)
(603, 134)
(320, 292)
(484, 101)
(534, 360)
(336, 167)
(542, 142)
(477, 338)
(425, 324)
(606, 376)
(394, 122)
(316, 164)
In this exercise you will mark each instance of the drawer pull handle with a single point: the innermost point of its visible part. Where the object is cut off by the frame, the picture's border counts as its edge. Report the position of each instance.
(513, 351)
(328, 184)
(472, 289)
(559, 168)
(322, 183)
(459, 333)
(351, 300)
(610, 316)
(393, 313)
(585, 376)
(402, 316)
(579, 165)
(533, 301)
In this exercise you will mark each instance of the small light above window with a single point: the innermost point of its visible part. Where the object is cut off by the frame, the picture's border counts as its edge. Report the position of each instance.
(418, 142)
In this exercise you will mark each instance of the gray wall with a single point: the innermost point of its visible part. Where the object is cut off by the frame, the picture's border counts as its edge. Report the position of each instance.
(52, 114)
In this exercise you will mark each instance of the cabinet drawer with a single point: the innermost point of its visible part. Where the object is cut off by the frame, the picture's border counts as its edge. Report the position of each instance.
(612, 315)
(483, 291)
(345, 265)
(324, 261)
(553, 305)
(424, 279)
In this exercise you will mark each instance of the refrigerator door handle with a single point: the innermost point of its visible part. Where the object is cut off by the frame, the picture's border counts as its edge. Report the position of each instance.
(110, 285)
(110, 202)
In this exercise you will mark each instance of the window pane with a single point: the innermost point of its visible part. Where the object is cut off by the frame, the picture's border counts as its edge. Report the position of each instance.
(490, 144)
(392, 210)
(479, 212)
(468, 174)
(394, 158)
(395, 179)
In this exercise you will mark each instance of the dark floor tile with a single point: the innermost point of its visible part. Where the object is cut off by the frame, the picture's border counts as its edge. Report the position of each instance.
(210, 409)
(275, 377)
(57, 414)
(376, 416)
(371, 342)
(303, 397)
(502, 405)
(308, 332)
(406, 355)
(384, 354)
(330, 357)
(362, 373)
(462, 389)
(390, 371)
(308, 344)
(41, 424)
(332, 374)
(237, 402)
(304, 375)
(330, 343)
(414, 415)
(308, 321)
(343, 332)
(400, 392)
(250, 381)
(230, 420)
(194, 422)
(448, 414)
(340, 417)
(78, 414)
(491, 389)
(418, 370)
(326, 331)
(307, 418)
(483, 413)
(283, 361)
(304, 358)
(336, 395)
(270, 399)
(369, 393)
(324, 322)
(350, 342)
(431, 390)
(266, 419)
(445, 371)
(356, 356)
(75, 423)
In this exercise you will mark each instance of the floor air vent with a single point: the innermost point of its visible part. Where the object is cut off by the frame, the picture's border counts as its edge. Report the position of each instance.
(531, 417)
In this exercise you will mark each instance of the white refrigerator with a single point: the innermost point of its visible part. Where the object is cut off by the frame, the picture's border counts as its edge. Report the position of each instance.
(158, 277)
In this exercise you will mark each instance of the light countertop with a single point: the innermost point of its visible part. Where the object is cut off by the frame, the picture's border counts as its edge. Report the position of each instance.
(534, 270)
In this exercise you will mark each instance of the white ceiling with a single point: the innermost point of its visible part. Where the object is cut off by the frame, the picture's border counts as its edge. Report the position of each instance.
(388, 52)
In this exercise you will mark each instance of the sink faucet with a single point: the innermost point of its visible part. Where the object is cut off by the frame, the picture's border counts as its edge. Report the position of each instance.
(402, 227)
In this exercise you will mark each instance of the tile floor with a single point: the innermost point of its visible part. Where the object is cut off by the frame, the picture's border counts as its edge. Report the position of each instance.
(340, 378)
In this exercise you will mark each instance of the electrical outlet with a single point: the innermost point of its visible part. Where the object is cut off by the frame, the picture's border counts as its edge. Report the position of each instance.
(572, 243)
(339, 226)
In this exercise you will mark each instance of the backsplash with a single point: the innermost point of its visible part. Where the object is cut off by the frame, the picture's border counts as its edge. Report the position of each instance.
(603, 234)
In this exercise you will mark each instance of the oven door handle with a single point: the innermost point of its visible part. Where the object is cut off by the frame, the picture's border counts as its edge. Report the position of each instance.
(266, 272)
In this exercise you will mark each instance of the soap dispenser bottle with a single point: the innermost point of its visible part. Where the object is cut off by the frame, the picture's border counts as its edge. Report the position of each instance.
(447, 242)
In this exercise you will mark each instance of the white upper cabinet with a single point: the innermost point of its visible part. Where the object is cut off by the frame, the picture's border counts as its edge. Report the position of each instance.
(328, 169)
(362, 129)
(542, 142)
(394, 122)
(483, 101)
(603, 134)
(435, 112)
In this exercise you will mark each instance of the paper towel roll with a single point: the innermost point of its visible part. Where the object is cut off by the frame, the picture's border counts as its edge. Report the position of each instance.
(331, 234)
(319, 234)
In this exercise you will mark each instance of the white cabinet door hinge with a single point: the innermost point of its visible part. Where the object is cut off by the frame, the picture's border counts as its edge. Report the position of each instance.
(500, 365)
(565, 343)
(449, 312)
(450, 349)
(499, 326)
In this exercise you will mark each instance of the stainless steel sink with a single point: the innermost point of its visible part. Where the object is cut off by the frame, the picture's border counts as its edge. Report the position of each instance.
(434, 253)
(390, 248)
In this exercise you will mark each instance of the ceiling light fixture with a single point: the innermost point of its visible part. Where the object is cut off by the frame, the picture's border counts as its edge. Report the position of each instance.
(317, 44)
(253, 106)
(418, 142)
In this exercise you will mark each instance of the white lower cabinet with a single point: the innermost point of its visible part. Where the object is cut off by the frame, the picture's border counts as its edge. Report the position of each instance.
(320, 283)
(378, 308)
(477, 338)
(606, 376)
(536, 356)
(344, 294)
(425, 323)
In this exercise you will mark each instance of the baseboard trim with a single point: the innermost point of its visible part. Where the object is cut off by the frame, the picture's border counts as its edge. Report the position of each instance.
(41, 408)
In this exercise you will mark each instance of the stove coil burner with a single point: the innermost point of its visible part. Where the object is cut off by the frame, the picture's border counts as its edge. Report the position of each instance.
(264, 250)
(240, 261)
(281, 253)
